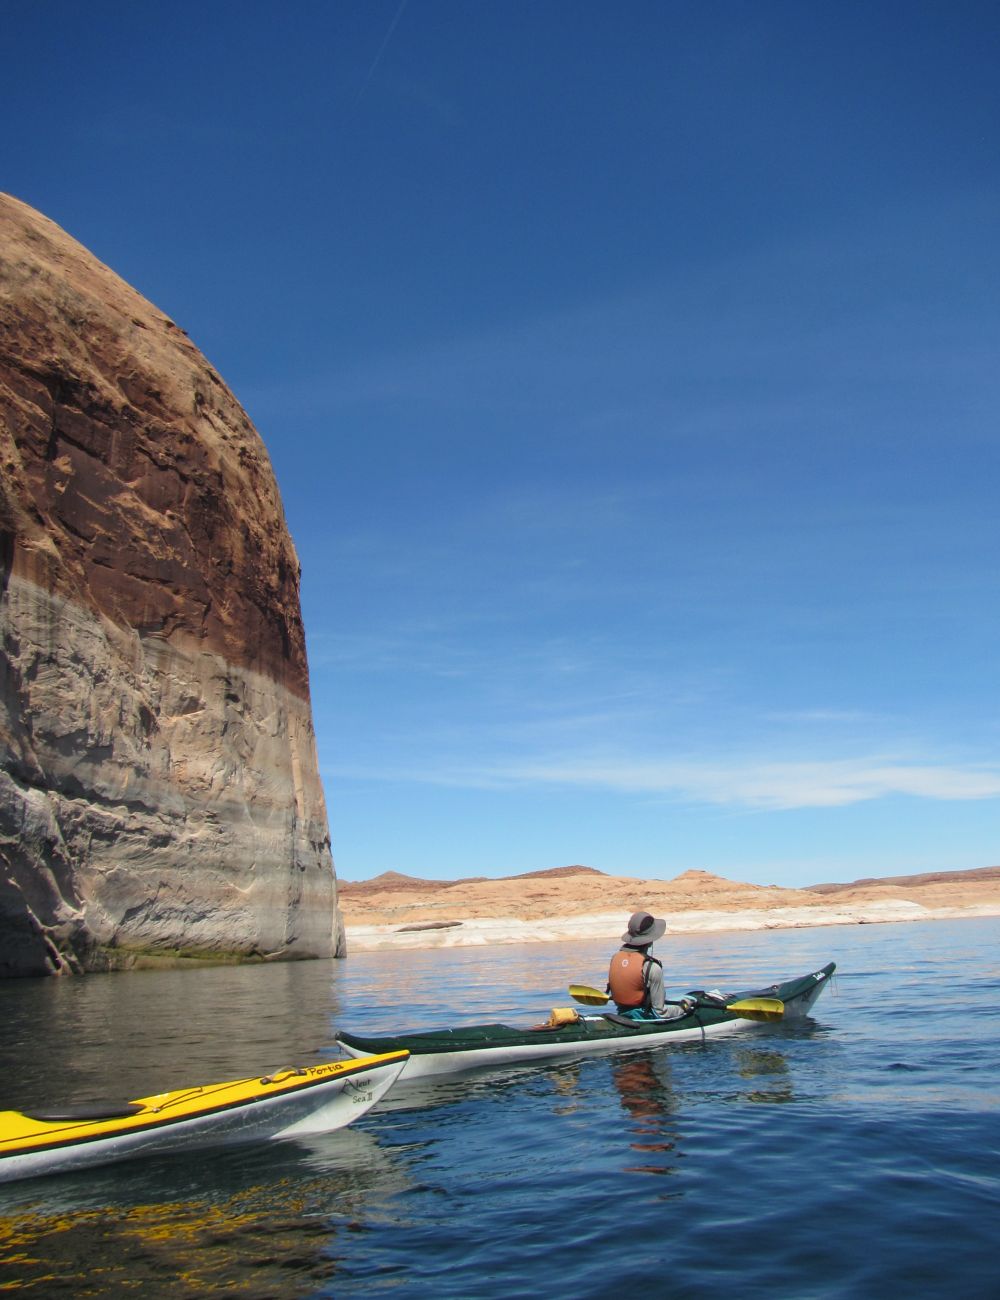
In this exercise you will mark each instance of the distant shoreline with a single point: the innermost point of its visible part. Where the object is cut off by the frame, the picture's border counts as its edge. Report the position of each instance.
(481, 931)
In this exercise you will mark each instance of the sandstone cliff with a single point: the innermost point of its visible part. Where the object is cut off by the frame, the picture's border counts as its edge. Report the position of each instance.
(158, 778)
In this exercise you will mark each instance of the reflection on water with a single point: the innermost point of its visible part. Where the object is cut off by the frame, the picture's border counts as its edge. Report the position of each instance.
(566, 1085)
(168, 1248)
(261, 1221)
(148, 1031)
(770, 1073)
(645, 1087)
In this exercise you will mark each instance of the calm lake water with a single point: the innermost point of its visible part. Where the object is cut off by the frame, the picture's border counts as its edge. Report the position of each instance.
(856, 1154)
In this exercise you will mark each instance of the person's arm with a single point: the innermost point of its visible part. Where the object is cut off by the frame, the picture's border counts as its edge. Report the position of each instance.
(654, 982)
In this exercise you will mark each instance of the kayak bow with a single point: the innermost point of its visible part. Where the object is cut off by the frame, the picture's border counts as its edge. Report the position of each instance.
(290, 1103)
(446, 1051)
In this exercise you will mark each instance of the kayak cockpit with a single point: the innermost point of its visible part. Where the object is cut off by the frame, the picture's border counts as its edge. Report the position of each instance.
(87, 1111)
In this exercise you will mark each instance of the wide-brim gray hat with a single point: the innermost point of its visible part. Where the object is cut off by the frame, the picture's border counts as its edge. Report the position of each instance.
(643, 929)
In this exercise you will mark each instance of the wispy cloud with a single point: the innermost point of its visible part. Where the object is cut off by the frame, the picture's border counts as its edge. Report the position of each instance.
(681, 352)
(847, 717)
(381, 50)
(779, 785)
(769, 786)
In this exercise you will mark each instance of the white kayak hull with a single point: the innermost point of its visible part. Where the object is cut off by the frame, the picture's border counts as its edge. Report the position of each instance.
(289, 1104)
(438, 1063)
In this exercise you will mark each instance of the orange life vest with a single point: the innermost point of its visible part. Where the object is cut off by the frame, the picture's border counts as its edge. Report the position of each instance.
(627, 978)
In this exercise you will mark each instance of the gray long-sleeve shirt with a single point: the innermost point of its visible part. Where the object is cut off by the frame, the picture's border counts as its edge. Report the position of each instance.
(654, 982)
(657, 996)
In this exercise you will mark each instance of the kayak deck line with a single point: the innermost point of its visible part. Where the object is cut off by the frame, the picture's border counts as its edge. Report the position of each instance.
(291, 1103)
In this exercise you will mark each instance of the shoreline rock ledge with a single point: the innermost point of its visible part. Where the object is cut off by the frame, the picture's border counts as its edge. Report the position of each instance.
(159, 790)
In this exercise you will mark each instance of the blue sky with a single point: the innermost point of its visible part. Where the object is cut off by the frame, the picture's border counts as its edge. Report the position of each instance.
(630, 376)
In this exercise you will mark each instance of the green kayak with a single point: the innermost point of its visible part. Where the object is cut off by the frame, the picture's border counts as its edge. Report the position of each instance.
(446, 1051)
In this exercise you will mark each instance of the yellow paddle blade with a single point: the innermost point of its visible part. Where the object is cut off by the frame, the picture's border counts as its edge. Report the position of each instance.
(588, 996)
(758, 1008)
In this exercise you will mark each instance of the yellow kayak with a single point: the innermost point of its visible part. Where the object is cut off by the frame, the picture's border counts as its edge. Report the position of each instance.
(289, 1103)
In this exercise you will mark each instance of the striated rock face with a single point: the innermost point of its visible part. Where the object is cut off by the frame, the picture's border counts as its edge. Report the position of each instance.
(158, 777)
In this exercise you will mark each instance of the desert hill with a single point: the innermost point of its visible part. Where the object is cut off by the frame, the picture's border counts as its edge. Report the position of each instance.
(576, 901)
(394, 881)
(975, 876)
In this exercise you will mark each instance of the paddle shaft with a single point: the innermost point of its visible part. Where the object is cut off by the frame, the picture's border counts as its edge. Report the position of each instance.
(747, 1008)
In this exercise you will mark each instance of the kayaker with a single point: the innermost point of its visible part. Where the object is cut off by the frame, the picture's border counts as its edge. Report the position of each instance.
(635, 977)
